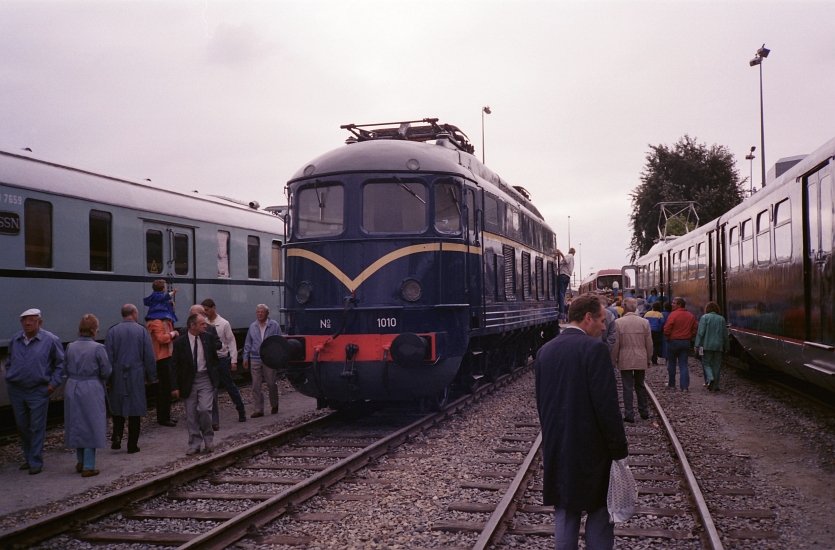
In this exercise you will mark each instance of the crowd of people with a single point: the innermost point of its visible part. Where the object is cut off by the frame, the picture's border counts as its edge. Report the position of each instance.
(576, 394)
(191, 364)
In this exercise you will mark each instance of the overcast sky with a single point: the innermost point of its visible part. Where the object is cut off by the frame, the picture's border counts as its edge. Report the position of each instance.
(233, 97)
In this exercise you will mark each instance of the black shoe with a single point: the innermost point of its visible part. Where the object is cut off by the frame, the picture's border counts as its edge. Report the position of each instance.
(34, 471)
(215, 427)
(629, 419)
(644, 416)
(256, 415)
(116, 445)
(242, 417)
(134, 450)
(169, 423)
(274, 410)
(24, 466)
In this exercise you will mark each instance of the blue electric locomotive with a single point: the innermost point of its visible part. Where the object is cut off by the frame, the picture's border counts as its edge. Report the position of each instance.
(410, 267)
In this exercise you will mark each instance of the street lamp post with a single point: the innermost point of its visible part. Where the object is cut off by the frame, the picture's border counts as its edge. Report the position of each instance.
(484, 111)
(761, 54)
(750, 156)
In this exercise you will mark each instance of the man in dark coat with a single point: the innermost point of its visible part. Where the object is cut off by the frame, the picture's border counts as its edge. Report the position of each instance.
(195, 366)
(582, 429)
(131, 355)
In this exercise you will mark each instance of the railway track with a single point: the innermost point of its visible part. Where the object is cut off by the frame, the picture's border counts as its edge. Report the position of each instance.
(229, 496)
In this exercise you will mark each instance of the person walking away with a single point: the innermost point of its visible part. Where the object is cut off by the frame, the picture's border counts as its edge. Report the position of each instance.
(712, 340)
(679, 330)
(160, 324)
(582, 429)
(631, 355)
(131, 355)
(566, 269)
(195, 367)
(609, 335)
(667, 309)
(262, 328)
(228, 359)
(85, 411)
(656, 327)
(33, 372)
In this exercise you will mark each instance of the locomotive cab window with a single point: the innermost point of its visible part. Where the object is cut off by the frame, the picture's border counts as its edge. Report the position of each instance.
(101, 241)
(320, 210)
(37, 230)
(394, 207)
(448, 208)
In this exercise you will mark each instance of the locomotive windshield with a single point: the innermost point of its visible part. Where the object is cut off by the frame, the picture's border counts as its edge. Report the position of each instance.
(397, 206)
(321, 210)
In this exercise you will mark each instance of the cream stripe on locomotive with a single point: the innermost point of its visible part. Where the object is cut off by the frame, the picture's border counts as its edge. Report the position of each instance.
(353, 284)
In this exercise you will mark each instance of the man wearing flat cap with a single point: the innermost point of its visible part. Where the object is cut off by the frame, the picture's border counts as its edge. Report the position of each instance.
(34, 371)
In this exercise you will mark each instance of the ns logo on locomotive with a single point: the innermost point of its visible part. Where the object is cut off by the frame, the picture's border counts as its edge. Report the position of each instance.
(411, 269)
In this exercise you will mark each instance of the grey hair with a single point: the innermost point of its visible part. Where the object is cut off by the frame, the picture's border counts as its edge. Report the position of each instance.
(630, 304)
(265, 307)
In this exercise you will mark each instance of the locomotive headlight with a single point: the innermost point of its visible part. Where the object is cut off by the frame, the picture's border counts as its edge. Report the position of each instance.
(303, 292)
(411, 290)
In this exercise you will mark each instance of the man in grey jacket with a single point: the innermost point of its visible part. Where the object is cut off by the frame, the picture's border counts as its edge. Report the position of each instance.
(631, 354)
(262, 328)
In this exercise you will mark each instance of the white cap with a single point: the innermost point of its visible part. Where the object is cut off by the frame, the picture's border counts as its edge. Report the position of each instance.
(33, 311)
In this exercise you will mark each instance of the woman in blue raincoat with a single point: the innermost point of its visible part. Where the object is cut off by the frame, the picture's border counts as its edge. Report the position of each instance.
(85, 415)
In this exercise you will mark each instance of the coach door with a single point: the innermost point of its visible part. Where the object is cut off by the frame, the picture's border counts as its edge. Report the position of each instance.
(169, 255)
(817, 242)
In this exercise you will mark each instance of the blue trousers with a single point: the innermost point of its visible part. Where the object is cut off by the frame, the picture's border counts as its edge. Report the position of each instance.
(678, 351)
(30, 406)
(87, 458)
(600, 534)
(562, 286)
(226, 383)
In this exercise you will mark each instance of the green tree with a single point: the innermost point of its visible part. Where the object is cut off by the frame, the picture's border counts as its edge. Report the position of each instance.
(687, 171)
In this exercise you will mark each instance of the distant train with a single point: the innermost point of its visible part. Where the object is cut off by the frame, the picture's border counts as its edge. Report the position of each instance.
(768, 263)
(602, 281)
(411, 267)
(75, 242)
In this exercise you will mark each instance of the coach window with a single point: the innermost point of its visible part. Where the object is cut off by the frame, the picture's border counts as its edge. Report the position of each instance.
(394, 207)
(691, 262)
(101, 241)
(701, 252)
(320, 211)
(275, 260)
(448, 208)
(782, 231)
(253, 249)
(733, 247)
(763, 238)
(37, 230)
(747, 236)
(181, 254)
(153, 251)
(223, 254)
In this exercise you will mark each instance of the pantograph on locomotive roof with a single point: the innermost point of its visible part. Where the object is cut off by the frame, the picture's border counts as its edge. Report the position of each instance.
(427, 130)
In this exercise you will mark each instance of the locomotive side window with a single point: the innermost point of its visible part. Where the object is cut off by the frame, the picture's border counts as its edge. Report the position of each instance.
(101, 241)
(763, 238)
(253, 249)
(526, 275)
(394, 207)
(181, 254)
(733, 247)
(447, 208)
(498, 269)
(509, 272)
(491, 213)
(513, 221)
(275, 260)
(223, 254)
(782, 231)
(153, 251)
(320, 211)
(37, 230)
(552, 279)
(540, 280)
(747, 235)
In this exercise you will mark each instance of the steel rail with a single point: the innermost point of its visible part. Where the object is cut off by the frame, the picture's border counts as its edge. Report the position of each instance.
(713, 539)
(504, 509)
(248, 522)
(72, 518)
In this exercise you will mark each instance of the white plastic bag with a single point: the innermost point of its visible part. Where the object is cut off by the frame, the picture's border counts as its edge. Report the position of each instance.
(623, 492)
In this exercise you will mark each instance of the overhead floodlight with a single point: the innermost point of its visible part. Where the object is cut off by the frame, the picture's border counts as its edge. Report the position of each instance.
(763, 52)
